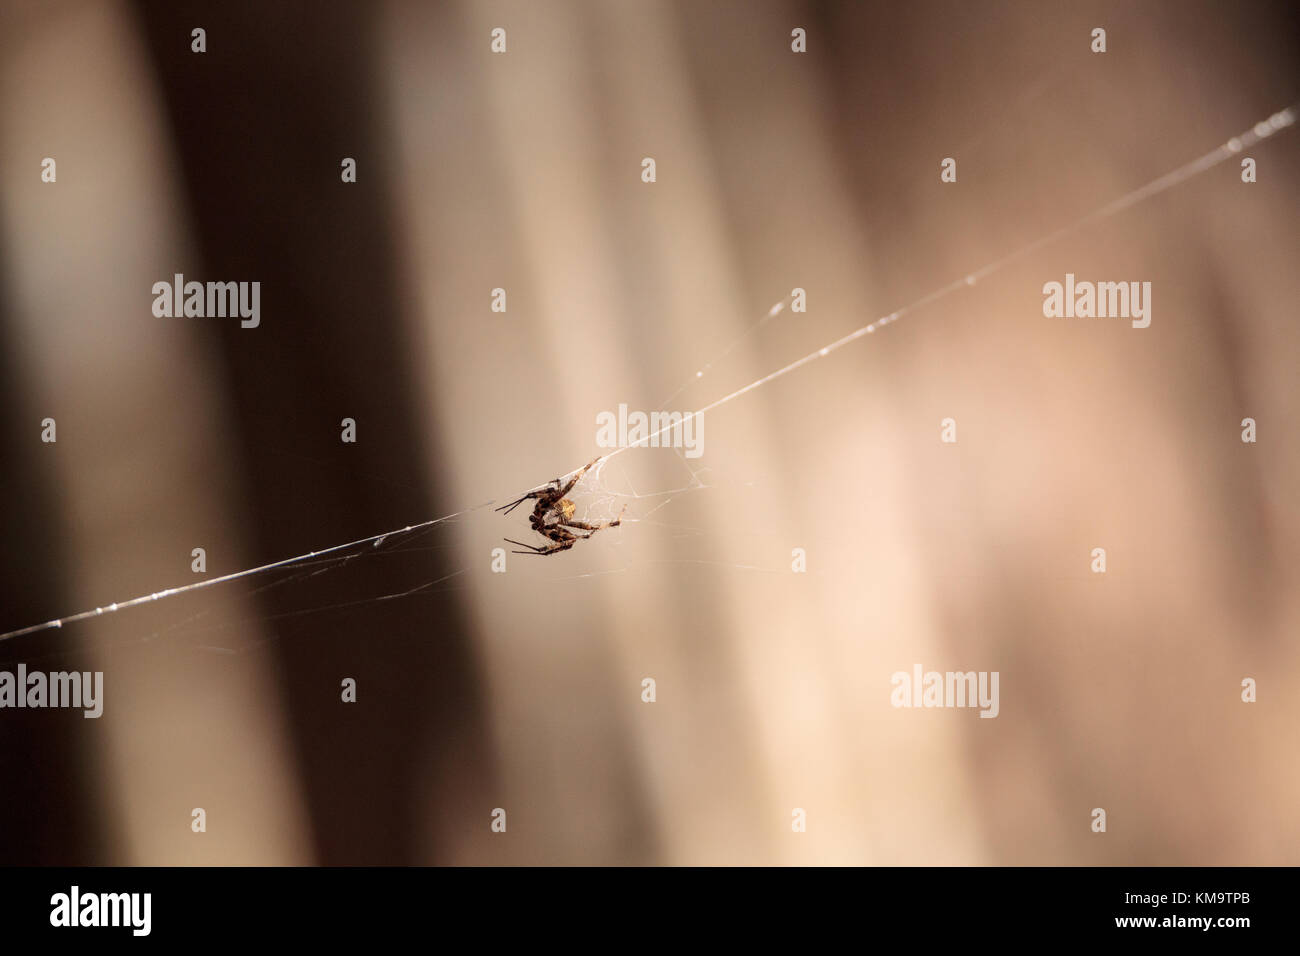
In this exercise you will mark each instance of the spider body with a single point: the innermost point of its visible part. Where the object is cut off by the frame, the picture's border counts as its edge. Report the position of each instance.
(552, 516)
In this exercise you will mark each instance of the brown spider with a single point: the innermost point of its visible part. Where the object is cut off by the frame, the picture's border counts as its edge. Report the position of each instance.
(552, 516)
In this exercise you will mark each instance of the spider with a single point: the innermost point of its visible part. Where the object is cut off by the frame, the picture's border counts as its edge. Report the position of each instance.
(552, 516)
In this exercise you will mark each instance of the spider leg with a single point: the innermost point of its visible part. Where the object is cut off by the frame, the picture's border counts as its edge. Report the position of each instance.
(593, 528)
(558, 546)
(534, 548)
(550, 491)
(516, 503)
(577, 476)
(555, 489)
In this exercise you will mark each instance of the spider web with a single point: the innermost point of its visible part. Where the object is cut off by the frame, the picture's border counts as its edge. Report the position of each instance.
(609, 489)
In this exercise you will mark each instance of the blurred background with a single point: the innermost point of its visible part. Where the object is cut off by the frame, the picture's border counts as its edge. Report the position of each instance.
(522, 690)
